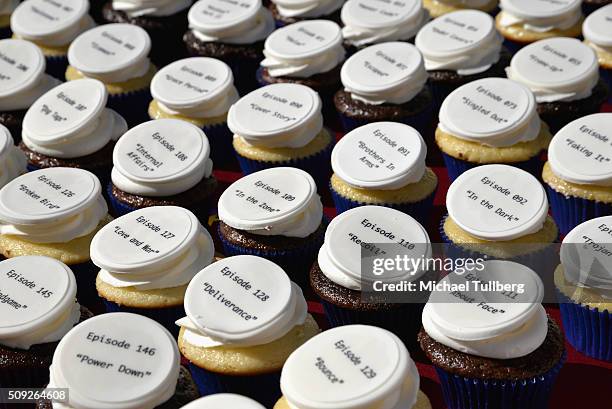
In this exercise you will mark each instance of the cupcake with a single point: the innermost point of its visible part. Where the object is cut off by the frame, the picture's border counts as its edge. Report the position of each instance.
(244, 318)
(350, 367)
(146, 260)
(116, 54)
(54, 212)
(23, 80)
(52, 25)
(383, 164)
(275, 214)
(12, 160)
(492, 120)
(281, 125)
(385, 82)
(164, 20)
(578, 174)
(497, 346)
(119, 360)
(38, 308)
(584, 288)
(563, 74)
(231, 32)
(598, 35)
(368, 22)
(308, 53)
(224, 401)
(458, 48)
(523, 22)
(199, 90)
(439, 7)
(69, 126)
(162, 163)
(345, 289)
(6, 9)
(287, 12)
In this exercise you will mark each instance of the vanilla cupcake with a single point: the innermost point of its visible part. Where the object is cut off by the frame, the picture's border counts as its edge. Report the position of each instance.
(385, 82)
(439, 7)
(54, 212)
(563, 74)
(492, 120)
(275, 214)
(281, 125)
(287, 12)
(351, 367)
(597, 32)
(70, 126)
(233, 32)
(523, 22)
(368, 22)
(244, 318)
(52, 25)
(38, 308)
(383, 164)
(6, 9)
(146, 260)
(117, 55)
(164, 162)
(578, 174)
(12, 160)
(458, 48)
(224, 401)
(199, 90)
(23, 80)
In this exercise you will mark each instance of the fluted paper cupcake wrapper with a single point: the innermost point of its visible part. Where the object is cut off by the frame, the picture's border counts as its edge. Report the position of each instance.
(587, 329)
(132, 105)
(456, 167)
(221, 149)
(570, 211)
(263, 388)
(473, 393)
(165, 316)
(56, 66)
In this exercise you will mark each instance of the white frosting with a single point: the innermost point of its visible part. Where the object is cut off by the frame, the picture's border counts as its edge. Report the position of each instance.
(111, 53)
(377, 21)
(51, 23)
(273, 202)
(597, 29)
(351, 367)
(307, 8)
(492, 111)
(304, 49)
(540, 15)
(39, 301)
(223, 401)
(581, 153)
(163, 157)
(277, 116)
(241, 300)
(223, 21)
(133, 359)
(22, 78)
(54, 205)
(151, 8)
(197, 87)
(380, 156)
(70, 121)
(464, 41)
(556, 69)
(497, 202)
(7, 6)
(12, 159)
(390, 73)
(347, 238)
(493, 324)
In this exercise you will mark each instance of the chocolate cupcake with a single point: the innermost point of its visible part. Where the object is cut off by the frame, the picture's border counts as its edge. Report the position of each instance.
(39, 307)
(224, 400)
(164, 20)
(598, 35)
(500, 346)
(69, 126)
(308, 53)
(385, 82)
(52, 25)
(563, 74)
(231, 32)
(12, 160)
(162, 163)
(461, 47)
(438, 8)
(287, 12)
(23, 70)
(6, 9)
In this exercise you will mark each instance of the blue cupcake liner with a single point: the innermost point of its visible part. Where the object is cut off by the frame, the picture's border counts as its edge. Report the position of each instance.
(132, 106)
(473, 393)
(587, 329)
(56, 66)
(570, 211)
(221, 149)
(263, 388)
(456, 167)
(165, 316)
